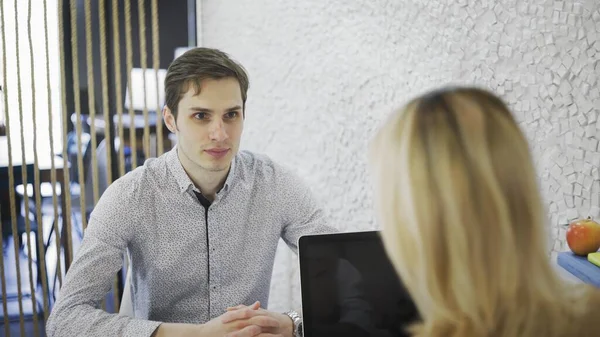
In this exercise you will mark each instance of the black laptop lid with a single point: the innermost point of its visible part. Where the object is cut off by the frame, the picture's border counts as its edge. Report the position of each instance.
(350, 288)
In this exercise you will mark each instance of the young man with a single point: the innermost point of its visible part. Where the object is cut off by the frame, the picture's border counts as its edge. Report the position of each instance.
(201, 223)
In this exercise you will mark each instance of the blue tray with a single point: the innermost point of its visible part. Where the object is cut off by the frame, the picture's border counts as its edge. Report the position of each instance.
(580, 267)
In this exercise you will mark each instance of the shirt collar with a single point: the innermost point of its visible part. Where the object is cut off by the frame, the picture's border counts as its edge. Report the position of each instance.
(184, 181)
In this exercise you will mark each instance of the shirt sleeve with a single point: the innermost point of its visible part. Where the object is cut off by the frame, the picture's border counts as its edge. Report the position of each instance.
(302, 214)
(90, 276)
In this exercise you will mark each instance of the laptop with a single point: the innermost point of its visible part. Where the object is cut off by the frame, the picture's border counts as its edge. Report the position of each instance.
(350, 288)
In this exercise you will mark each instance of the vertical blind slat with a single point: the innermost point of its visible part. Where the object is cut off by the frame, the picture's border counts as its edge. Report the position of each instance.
(24, 174)
(11, 177)
(66, 195)
(155, 66)
(129, 62)
(41, 253)
(53, 180)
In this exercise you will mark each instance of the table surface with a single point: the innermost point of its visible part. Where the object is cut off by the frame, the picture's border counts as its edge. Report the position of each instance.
(139, 121)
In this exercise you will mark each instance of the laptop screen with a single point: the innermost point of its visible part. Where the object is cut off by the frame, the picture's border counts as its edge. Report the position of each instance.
(350, 288)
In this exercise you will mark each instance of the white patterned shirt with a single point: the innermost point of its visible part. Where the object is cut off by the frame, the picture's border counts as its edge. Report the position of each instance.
(187, 265)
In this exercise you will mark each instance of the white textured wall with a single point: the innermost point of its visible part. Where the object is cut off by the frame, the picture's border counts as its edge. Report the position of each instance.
(325, 73)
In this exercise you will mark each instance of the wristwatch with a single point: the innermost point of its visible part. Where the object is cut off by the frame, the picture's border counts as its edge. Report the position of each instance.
(297, 320)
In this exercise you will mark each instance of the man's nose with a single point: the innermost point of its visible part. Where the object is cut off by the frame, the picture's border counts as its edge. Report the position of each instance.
(218, 132)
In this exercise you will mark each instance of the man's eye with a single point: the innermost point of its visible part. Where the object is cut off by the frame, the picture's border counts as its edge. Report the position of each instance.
(232, 114)
(200, 115)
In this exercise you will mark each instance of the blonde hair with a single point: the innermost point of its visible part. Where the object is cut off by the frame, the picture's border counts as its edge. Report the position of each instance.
(463, 221)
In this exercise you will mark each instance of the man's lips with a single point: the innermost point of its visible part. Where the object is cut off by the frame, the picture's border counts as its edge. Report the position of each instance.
(217, 152)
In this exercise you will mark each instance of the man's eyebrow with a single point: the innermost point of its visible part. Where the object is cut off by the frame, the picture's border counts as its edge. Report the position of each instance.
(201, 109)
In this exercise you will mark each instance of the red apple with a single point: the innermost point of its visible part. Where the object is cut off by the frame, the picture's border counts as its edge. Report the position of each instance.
(583, 236)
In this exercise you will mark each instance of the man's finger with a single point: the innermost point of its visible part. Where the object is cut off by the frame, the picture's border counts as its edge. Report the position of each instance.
(244, 313)
(249, 331)
(254, 306)
(264, 321)
(235, 308)
(234, 315)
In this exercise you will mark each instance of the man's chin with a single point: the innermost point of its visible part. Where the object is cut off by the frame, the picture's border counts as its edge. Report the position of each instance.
(216, 167)
(214, 164)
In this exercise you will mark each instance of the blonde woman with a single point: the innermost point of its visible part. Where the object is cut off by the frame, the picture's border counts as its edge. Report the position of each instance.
(464, 225)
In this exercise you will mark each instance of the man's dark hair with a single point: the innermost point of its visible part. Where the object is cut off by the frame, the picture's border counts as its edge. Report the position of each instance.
(196, 65)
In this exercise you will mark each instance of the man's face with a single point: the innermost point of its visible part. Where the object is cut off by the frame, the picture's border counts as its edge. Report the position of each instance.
(209, 125)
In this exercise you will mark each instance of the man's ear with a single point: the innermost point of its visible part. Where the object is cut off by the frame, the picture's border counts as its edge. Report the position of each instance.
(169, 119)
